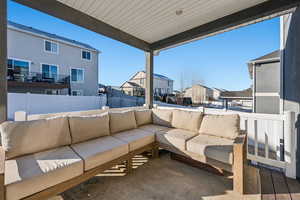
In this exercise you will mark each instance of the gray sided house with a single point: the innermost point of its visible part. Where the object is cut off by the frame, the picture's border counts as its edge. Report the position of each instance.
(45, 63)
(265, 73)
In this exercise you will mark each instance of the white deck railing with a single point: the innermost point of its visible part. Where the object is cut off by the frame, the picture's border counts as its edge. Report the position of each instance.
(271, 137)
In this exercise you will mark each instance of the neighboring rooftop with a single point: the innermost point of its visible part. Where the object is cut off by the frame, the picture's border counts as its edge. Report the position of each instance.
(270, 57)
(243, 94)
(159, 76)
(132, 84)
(219, 89)
(49, 35)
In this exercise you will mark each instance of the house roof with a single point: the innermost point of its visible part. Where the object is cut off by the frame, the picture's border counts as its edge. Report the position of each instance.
(268, 58)
(132, 84)
(49, 35)
(243, 94)
(159, 76)
(219, 89)
(272, 55)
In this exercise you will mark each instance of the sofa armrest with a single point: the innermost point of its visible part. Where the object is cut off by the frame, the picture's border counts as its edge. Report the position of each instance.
(239, 163)
(2, 160)
(2, 171)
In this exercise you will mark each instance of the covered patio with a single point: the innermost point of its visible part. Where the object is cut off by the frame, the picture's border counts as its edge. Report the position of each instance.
(153, 26)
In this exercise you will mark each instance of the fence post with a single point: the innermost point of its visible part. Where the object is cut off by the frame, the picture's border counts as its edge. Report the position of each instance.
(290, 143)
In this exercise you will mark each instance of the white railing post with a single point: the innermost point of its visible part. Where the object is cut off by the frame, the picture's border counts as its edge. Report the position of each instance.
(20, 116)
(290, 143)
(105, 108)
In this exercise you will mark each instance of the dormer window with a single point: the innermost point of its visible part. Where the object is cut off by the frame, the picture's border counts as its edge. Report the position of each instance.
(51, 47)
(85, 55)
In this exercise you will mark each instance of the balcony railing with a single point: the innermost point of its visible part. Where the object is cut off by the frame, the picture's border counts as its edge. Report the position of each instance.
(35, 77)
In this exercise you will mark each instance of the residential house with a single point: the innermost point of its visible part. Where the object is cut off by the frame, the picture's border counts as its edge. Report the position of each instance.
(136, 85)
(266, 94)
(133, 89)
(45, 63)
(199, 94)
(217, 93)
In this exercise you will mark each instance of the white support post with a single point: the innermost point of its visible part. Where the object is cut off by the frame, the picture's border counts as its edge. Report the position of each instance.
(3, 60)
(290, 139)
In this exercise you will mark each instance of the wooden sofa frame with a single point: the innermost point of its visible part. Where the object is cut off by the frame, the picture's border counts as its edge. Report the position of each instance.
(59, 188)
(239, 161)
(238, 169)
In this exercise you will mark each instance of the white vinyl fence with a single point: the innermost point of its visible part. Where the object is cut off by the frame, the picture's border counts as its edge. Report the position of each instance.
(41, 104)
(271, 137)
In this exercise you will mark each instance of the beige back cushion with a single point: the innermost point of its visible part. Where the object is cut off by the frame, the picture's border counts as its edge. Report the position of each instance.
(162, 117)
(21, 138)
(88, 127)
(226, 126)
(143, 117)
(187, 120)
(121, 121)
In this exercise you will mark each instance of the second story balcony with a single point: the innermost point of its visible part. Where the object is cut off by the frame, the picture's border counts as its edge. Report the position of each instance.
(25, 79)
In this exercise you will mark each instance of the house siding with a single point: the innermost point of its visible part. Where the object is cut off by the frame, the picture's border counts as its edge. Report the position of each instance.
(267, 88)
(26, 46)
(271, 73)
(165, 85)
(199, 94)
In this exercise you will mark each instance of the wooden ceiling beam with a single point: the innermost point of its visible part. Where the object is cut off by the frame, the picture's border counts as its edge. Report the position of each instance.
(64, 12)
(242, 17)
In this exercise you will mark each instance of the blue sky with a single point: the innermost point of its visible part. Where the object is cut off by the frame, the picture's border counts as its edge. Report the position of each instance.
(218, 61)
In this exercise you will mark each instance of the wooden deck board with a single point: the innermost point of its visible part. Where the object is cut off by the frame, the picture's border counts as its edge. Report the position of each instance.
(294, 188)
(275, 186)
(280, 186)
(267, 187)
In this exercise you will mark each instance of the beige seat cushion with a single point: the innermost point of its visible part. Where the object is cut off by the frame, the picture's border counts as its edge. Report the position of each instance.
(99, 151)
(121, 121)
(162, 117)
(175, 137)
(187, 120)
(220, 149)
(30, 174)
(88, 127)
(27, 137)
(153, 128)
(136, 138)
(226, 126)
(143, 117)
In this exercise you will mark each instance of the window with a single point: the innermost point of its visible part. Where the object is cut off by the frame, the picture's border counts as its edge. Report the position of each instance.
(18, 66)
(77, 75)
(10, 64)
(49, 71)
(77, 93)
(142, 81)
(52, 92)
(51, 47)
(86, 55)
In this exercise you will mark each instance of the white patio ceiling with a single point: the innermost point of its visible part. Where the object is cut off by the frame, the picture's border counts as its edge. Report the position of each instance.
(154, 20)
(159, 24)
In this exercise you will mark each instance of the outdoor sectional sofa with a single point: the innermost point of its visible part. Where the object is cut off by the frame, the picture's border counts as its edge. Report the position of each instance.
(44, 157)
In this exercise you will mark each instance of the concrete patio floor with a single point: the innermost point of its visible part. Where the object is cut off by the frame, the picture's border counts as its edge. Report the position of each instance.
(156, 179)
